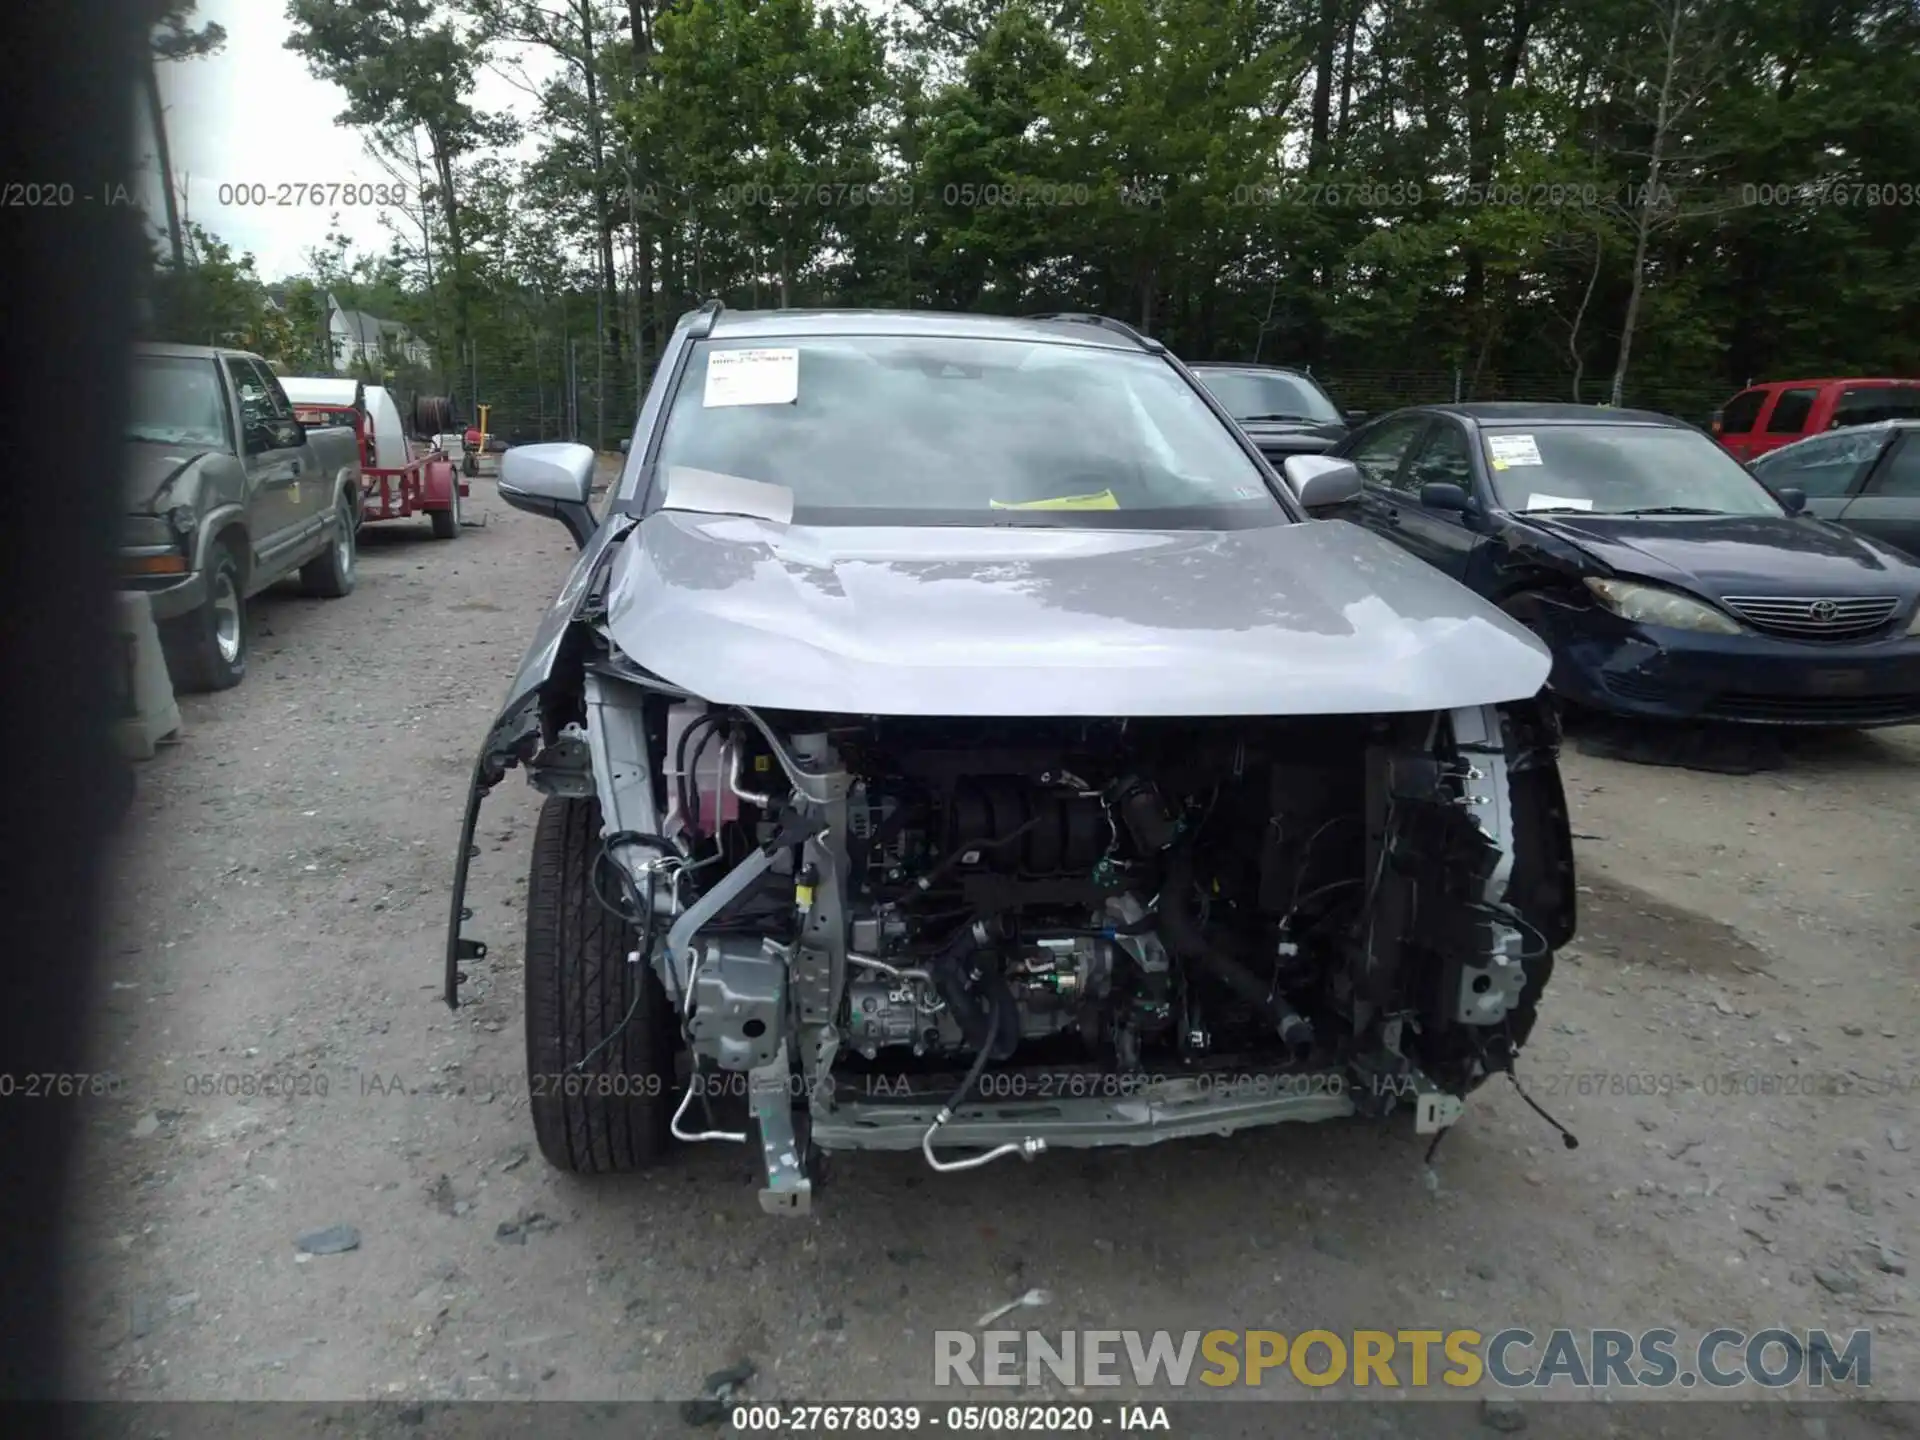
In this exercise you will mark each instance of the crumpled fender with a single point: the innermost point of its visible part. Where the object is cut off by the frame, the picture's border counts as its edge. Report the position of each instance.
(516, 733)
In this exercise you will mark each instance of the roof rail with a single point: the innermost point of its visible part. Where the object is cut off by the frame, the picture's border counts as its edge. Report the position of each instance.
(704, 317)
(1105, 322)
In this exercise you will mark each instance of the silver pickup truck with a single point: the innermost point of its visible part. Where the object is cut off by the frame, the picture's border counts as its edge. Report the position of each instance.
(226, 492)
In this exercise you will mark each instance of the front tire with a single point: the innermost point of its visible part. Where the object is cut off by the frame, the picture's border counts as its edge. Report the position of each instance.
(600, 1031)
(207, 649)
(330, 574)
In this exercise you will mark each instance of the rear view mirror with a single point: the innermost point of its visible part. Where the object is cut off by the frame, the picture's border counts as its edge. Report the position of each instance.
(1357, 418)
(626, 444)
(1792, 498)
(551, 480)
(1445, 495)
(1320, 481)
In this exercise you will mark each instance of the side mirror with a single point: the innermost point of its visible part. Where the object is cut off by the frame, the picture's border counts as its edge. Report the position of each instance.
(1793, 498)
(1320, 481)
(1445, 495)
(626, 444)
(1356, 418)
(551, 480)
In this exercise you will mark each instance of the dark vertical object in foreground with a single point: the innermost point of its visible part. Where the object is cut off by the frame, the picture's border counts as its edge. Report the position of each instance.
(70, 278)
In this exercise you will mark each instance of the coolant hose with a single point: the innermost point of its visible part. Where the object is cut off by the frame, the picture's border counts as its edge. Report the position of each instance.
(1184, 937)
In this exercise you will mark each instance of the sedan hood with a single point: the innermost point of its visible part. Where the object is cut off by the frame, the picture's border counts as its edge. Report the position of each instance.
(1294, 619)
(150, 471)
(1739, 554)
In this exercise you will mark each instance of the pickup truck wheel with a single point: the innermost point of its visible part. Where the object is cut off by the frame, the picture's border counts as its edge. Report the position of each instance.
(600, 1031)
(207, 649)
(446, 523)
(330, 575)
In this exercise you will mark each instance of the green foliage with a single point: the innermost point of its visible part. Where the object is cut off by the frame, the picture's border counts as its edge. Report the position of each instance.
(1384, 190)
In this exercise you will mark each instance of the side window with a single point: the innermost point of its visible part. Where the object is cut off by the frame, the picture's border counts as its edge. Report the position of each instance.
(1869, 404)
(277, 402)
(1790, 412)
(1827, 467)
(1901, 478)
(256, 409)
(1742, 412)
(1379, 452)
(1444, 457)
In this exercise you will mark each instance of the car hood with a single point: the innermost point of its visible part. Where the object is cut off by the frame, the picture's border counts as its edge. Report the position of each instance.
(149, 472)
(1739, 554)
(1310, 618)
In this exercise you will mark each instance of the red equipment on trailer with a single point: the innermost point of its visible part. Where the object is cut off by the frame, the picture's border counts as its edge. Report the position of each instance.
(398, 478)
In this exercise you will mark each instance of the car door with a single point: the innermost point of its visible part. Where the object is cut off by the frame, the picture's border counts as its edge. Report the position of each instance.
(1380, 453)
(1828, 470)
(1888, 505)
(1443, 538)
(1738, 419)
(1786, 419)
(272, 451)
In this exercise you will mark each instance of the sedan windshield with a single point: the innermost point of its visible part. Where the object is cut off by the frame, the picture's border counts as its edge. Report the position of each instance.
(177, 401)
(929, 430)
(1620, 470)
(1269, 395)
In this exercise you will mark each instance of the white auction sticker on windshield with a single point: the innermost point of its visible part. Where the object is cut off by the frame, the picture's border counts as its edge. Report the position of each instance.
(1505, 450)
(1557, 502)
(752, 377)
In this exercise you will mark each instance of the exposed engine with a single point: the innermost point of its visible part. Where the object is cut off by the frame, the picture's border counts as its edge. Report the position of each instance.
(1157, 926)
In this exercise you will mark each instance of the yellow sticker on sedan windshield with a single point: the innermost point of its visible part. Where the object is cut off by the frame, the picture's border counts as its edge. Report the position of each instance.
(1104, 500)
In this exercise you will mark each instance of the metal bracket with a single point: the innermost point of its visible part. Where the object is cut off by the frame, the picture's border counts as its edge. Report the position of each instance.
(788, 1190)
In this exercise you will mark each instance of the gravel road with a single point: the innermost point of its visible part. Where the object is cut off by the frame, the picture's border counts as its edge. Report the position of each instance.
(280, 908)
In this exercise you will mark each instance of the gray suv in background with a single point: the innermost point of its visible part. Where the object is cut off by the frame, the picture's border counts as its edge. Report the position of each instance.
(224, 493)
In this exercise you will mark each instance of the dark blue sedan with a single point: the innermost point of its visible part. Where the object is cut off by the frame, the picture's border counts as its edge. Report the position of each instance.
(1666, 579)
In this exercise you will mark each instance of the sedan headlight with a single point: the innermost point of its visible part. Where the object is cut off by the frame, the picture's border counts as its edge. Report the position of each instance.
(1654, 605)
(1914, 628)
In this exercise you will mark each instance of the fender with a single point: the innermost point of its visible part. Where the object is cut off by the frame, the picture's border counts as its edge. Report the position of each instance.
(517, 732)
(216, 521)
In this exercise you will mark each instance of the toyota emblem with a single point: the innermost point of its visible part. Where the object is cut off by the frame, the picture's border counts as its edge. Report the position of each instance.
(1824, 611)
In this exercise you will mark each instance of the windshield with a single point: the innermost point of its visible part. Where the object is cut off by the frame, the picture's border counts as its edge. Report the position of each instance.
(928, 430)
(177, 401)
(1620, 469)
(1269, 394)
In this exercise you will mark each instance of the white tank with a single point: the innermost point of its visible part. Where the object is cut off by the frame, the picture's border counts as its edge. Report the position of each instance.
(389, 435)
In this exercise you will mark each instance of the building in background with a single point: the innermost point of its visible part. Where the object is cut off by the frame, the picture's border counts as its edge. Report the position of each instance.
(363, 342)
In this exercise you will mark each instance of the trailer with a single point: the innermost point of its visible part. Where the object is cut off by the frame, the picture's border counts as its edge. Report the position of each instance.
(399, 477)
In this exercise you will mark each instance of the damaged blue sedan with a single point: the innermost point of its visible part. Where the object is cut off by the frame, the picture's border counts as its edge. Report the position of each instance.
(1667, 580)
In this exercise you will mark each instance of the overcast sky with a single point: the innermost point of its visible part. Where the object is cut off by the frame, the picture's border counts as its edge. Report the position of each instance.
(252, 114)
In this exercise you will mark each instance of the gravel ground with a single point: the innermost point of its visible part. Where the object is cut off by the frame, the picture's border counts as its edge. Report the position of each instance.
(281, 905)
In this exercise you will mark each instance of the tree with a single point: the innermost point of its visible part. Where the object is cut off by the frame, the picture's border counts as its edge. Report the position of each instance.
(407, 66)
(173, 38)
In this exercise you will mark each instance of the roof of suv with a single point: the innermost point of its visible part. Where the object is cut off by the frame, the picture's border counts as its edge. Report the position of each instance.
(746, 324)
(1254, 365)
(1525, 412)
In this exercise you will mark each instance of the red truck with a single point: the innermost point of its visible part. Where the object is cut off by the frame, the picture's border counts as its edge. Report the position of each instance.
(1765, 417)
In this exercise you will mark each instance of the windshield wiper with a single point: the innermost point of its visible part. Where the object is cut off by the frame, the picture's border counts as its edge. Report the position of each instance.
(1304, 419)
(1667, 510)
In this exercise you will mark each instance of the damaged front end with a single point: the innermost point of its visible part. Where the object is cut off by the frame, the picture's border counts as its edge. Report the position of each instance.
(983, 937)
